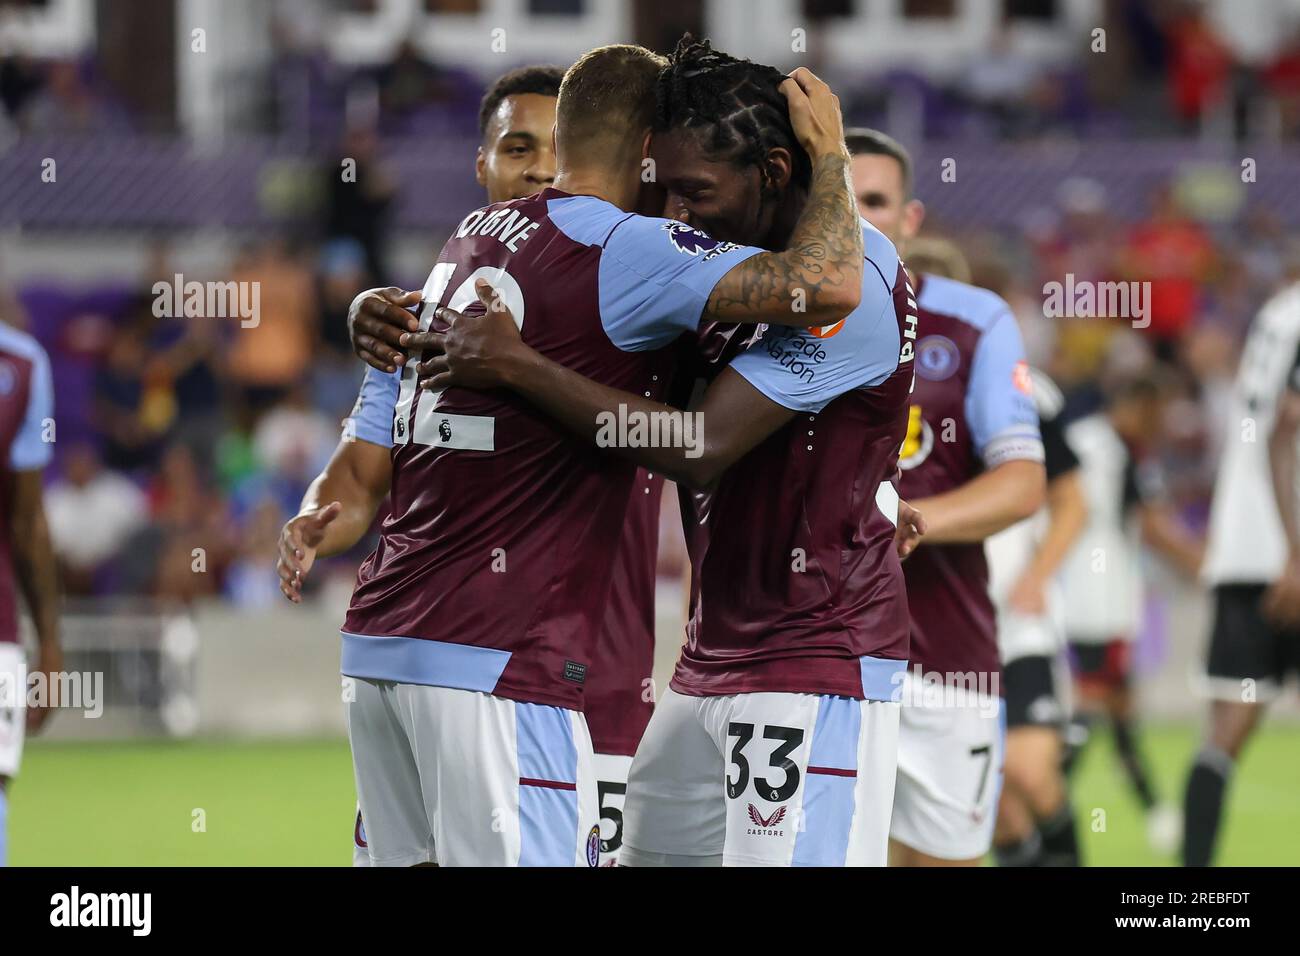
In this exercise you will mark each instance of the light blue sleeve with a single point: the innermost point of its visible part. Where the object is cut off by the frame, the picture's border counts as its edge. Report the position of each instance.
(1000, 408)
(805, 369)
(656, 276)
(30, 451)
(372, 416)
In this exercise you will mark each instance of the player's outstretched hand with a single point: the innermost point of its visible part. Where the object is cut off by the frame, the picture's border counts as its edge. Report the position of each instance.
(49, 661)
(376, 320)
(475, 352)
(299, 539)
(911, 527)
(814, 114)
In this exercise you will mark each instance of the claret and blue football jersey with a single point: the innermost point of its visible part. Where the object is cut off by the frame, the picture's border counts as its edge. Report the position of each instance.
(493, 570)
(973, 409)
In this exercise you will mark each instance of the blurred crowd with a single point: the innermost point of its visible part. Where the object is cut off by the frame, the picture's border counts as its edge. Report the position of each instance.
(1161, 67)
(185, 442)
(1201, 284)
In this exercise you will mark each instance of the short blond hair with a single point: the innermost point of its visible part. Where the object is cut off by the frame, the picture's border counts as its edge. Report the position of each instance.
(608, 93)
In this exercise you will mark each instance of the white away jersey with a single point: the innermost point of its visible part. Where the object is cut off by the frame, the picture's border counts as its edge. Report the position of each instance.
(1246, 542)
(1102, 574)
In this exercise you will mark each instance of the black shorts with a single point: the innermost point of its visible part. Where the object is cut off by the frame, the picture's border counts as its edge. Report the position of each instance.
(1032, 700)
(1103, 666)
(1245, 646)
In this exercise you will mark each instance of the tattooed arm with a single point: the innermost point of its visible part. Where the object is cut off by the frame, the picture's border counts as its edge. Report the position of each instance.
(817, 280)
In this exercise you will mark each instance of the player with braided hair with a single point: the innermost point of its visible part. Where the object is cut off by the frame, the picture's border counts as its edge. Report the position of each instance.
(724, 147)
(737, 102)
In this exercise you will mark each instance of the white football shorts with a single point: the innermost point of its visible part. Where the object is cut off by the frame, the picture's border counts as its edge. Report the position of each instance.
(13, 713)
(949, 772)
(762, 779)
(463, 778)
(611, 795)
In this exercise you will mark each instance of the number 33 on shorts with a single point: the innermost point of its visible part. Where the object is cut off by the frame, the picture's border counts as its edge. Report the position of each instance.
(809, 780)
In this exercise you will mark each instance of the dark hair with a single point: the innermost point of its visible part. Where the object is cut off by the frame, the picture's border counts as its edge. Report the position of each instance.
(607, 95)
(738, 102)
(1149, 384)
(872, 142)
(540, 79)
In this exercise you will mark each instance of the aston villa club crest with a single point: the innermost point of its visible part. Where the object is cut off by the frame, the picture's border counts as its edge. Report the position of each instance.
(593, 846)
(937, 358)
(766, 826)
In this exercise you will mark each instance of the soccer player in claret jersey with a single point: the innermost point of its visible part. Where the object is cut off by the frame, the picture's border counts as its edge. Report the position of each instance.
(27, 566)
(472, 626)
(516, 159)
(776, 742)
(973, 465)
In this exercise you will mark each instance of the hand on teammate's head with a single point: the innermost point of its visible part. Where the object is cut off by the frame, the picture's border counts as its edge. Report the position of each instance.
(814, 114)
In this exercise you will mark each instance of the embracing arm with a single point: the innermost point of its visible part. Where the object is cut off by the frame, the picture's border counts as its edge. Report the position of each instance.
(732, 417)
(486, 351)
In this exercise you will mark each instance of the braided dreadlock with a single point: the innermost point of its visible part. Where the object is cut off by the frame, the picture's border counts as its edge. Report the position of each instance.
(736, 103)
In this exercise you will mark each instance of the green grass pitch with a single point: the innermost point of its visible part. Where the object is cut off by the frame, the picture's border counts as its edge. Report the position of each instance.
(291, 803)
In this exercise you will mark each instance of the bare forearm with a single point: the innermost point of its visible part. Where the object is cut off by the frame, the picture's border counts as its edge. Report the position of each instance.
(1281, 463)
(1165, 535)
(817, 279)
(36, 572)
(590, 410)
(1067, 514)
(338, 482)
(984, 505)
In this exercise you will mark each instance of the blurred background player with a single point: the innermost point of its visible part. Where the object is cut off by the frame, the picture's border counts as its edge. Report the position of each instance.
(515, 159)
(27, 564)
(1103, 580)
(1253, 564)
(973, 465)
(1036, 825)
